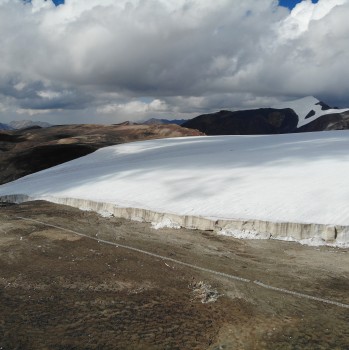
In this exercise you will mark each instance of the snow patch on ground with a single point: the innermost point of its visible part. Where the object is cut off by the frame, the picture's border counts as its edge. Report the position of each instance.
(165, 223)
(82, 208)
(341, 242)
(315, 242)
(244, 234)
(137, 219)
(105, 214)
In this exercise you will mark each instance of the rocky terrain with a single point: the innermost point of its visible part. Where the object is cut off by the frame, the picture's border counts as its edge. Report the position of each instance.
(249, 122)
(59, 290)
(23, 152)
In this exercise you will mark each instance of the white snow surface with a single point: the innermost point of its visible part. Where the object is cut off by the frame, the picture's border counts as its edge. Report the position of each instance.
(303, 106)
(300, 178)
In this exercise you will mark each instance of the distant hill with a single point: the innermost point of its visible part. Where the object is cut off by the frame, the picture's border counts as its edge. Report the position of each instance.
(24, 124)
(154, 121)
(303, 115)
(29, 150)
(5, 127)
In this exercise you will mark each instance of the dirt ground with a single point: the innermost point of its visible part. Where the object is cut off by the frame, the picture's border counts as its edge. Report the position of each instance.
(62, 291)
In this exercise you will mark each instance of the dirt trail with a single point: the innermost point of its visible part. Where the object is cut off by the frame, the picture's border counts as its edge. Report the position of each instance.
(62, 291)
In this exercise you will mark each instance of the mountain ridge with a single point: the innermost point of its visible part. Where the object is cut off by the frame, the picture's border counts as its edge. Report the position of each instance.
(23, 124)
(4, 126)
(29, 150)
(303, 115)
(156, 121)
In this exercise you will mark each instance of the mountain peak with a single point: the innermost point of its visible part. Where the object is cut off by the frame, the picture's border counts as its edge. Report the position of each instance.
(303, 101)
(301, 115)
(23, 124)
(308, 109)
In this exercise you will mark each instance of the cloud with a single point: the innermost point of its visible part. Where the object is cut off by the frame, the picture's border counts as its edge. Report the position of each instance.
(134, 59)
(136, 110)
(304, 14)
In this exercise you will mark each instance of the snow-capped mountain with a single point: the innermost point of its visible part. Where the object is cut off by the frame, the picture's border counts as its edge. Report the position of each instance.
(302, 115)
(23, 124)
(5, 127)
(309, 108)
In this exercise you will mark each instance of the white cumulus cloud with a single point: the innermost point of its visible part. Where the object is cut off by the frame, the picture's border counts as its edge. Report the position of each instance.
(111, 60)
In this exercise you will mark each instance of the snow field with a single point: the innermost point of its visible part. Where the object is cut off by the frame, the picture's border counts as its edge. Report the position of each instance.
(295, 178)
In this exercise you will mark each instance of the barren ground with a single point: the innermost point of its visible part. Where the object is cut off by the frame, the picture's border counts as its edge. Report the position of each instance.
(62, 291)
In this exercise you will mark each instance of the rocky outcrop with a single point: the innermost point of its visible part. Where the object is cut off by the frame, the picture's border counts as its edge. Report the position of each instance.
(248, 122)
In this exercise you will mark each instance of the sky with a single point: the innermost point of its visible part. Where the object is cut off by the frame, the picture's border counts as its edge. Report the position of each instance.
(110, 61)
(287, 3)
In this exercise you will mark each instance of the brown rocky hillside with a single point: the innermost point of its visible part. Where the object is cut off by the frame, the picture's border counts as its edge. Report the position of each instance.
(23, 152)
